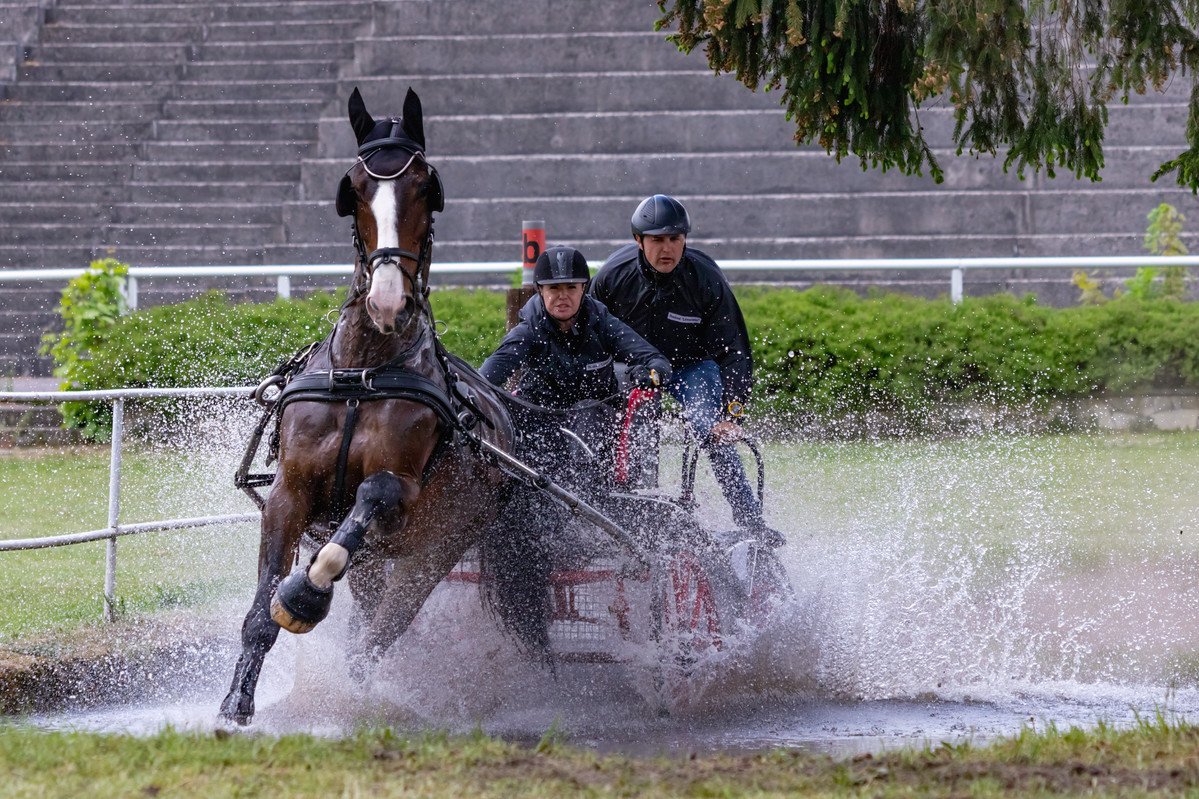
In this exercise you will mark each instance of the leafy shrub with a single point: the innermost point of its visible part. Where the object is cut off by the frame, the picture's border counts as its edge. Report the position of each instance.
(90, 307)
(824, 352)
(832, 354)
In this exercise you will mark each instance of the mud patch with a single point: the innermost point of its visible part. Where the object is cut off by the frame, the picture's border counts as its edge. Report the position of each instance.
(159, 659)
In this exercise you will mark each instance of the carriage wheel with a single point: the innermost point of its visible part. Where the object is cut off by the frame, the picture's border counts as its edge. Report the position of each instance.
(770, 587)
(685, 626)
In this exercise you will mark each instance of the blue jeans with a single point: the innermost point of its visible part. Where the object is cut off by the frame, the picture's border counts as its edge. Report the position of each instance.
(701, 393)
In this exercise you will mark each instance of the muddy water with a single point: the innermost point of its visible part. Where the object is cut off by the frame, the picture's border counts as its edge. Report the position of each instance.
(945, 591)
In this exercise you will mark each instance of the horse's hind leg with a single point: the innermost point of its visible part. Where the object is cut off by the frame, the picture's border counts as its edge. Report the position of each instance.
(282, 523)
(303, 599)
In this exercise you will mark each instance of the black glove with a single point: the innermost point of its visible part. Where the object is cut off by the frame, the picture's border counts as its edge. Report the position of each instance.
(646, 378)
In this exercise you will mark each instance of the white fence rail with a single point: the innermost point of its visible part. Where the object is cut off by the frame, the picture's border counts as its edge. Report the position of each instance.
(115, 528)
(955, 267)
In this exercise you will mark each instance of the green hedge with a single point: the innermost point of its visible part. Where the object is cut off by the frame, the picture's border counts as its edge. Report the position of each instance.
(825, 352)
(211, 341)
(831, 353)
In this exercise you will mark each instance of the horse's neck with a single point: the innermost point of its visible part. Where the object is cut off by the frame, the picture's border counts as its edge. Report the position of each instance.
(358, 344)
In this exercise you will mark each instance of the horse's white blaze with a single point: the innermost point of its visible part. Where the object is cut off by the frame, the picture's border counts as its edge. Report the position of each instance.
(388, 292)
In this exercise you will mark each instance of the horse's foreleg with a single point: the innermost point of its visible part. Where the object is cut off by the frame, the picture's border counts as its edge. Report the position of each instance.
(303, 599)
(282, 525)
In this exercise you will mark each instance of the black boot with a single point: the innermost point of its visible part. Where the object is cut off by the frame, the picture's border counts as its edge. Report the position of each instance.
(764, 534)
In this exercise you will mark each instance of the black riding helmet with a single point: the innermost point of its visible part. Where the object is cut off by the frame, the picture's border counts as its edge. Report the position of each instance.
(660, 215)
(560, 265)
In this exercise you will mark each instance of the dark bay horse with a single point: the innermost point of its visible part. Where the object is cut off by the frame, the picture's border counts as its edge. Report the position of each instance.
(380, 414)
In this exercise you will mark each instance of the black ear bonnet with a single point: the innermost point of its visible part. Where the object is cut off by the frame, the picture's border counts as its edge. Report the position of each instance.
(386, 150)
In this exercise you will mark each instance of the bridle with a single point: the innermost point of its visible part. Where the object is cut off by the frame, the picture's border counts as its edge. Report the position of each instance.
(396, 140)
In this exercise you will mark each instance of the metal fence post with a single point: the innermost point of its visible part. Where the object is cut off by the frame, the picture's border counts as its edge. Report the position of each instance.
(114, 509)
(130, 293)
(955, 285)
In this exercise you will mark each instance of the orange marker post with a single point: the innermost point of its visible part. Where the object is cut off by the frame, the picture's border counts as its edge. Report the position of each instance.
(532, 244)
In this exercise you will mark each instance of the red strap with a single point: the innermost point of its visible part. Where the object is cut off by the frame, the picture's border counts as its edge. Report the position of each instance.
(637, 398)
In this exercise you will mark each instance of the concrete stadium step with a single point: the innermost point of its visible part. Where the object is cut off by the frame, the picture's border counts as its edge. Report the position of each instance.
(535, 16)
(262, 70)
(250, 89)
(145, 32)
(42, 254)
(20, 20)
(65, 232)
(229, 211)
(61, 191)
(225, 235)
(247, 173)
(339, 27)
(89, 171)
(197, 192)
(66, 151)
(564, 92)
(47, 110)
(165, 254)
(104, 52)
(77, 131)
(314, 46)
(506, 54)
(42, 211)
(292, 110)
(87, 72)
(209, 128)
(150, 32)
(133, 14)
(282, 151)
(89, 91)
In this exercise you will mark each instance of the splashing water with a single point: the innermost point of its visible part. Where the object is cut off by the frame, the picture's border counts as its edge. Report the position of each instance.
(944, 590)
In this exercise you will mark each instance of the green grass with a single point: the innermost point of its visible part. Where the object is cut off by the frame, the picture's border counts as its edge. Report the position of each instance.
(1156, 758)
(1096, 496)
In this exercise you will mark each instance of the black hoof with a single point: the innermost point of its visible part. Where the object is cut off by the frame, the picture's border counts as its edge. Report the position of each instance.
(237, 709)
(298, 605)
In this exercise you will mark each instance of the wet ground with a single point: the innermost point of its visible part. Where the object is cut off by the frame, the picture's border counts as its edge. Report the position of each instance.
(459, 674)
(945, 591)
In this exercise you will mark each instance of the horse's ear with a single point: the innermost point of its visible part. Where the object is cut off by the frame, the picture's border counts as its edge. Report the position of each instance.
(347, 198)
(362, 122)
(414, 123)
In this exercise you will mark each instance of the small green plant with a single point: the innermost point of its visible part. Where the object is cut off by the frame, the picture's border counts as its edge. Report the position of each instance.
(1164, 237)
(1090, 289)
(90, 306)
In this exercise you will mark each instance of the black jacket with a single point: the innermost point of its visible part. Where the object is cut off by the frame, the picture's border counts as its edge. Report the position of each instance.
(565, 367)
(690, 313)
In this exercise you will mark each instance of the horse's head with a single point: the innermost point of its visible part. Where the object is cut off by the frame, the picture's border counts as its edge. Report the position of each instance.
(392, 194)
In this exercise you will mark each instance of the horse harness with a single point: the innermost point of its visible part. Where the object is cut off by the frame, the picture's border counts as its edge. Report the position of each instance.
(455, 407)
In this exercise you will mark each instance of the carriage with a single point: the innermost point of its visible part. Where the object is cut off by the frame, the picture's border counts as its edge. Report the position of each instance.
(675, 599)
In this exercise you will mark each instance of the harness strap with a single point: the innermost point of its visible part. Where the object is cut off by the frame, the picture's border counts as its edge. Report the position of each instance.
(340, 385)
(343, 455)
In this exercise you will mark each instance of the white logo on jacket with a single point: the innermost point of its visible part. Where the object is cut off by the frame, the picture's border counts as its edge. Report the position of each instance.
(591, 367)
(687, 320)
